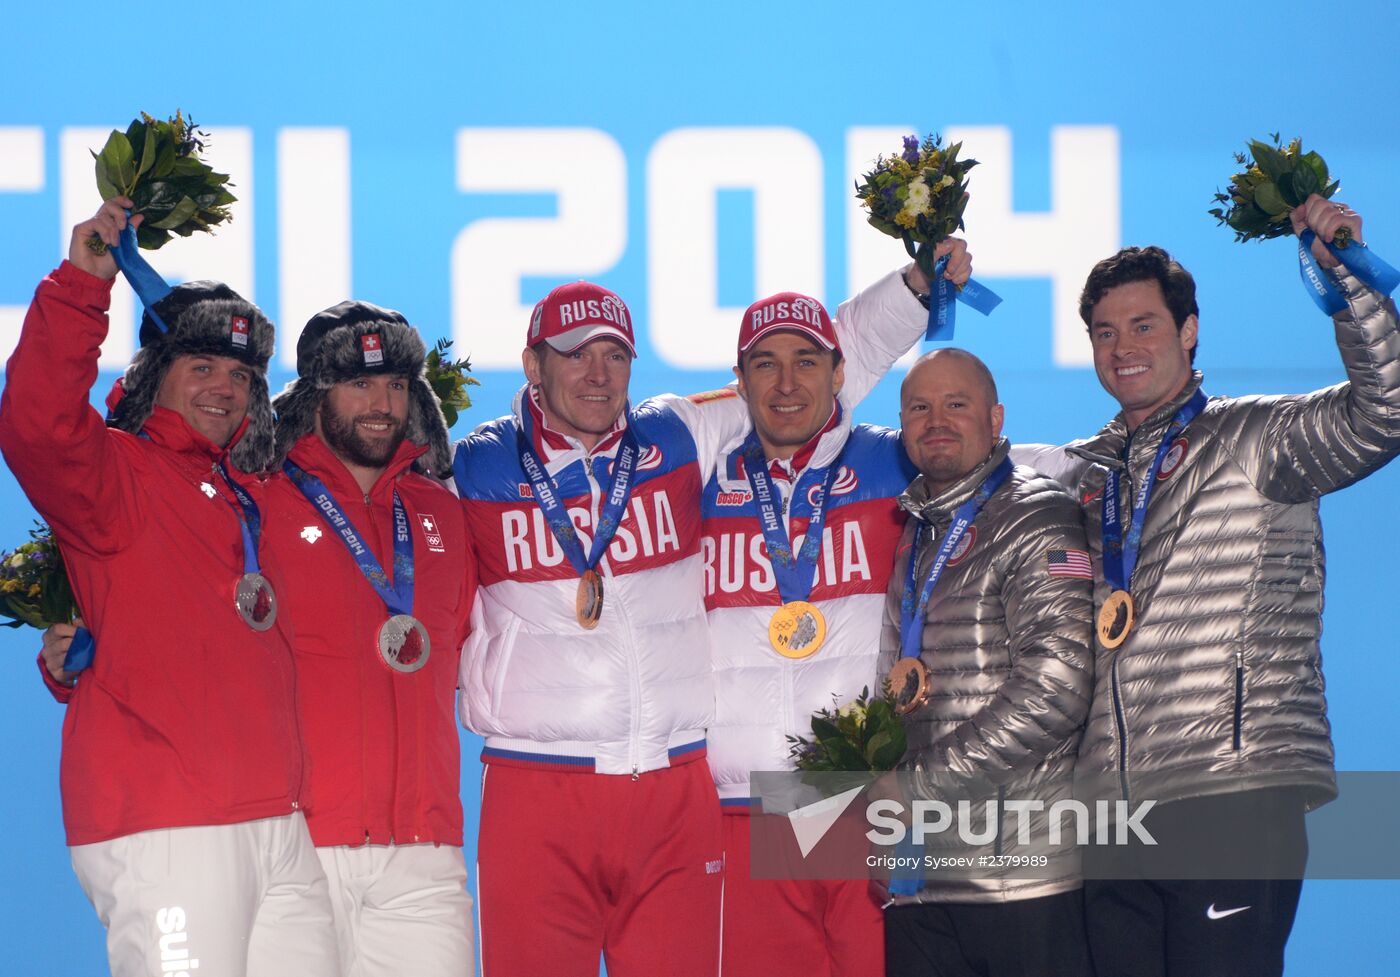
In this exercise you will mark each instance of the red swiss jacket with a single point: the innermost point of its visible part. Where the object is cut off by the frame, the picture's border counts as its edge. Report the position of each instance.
(187, 716)
(382, 745)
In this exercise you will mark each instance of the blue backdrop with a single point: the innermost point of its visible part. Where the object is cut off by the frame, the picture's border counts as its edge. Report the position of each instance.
(455, 160)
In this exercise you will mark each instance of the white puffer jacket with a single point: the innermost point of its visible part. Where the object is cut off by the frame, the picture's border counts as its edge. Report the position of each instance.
(634, 694)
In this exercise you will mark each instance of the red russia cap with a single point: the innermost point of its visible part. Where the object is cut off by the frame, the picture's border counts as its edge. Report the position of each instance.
(577, 313)
(786, 310)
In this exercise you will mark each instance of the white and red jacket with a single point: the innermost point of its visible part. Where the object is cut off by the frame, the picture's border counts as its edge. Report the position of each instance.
(634, 694)
(382, 748)
(761, 697)
(187, 716)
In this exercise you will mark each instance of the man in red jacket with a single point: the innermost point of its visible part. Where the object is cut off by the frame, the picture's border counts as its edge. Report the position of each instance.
(182, 760)
(380, 582)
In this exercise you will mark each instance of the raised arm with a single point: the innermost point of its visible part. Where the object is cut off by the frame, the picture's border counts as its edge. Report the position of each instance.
(1296, 449)
(884, 321)
(57, 446)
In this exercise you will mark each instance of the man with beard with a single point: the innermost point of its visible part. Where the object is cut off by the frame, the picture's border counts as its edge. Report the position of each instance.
(588, 670)
(182, 760)
(380, 581)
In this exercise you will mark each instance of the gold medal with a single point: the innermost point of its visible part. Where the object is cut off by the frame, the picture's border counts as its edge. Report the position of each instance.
(588, 603)
(909, 682)
(1115, 619)
(797, 629)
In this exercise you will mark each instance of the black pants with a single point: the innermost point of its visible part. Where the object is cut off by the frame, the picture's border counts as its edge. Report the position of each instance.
(1027, 938)
(1142, 924)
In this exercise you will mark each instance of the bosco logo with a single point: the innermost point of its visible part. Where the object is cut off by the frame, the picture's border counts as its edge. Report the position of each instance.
(807, 310)
(615, 311)
(650, 458)
(844, 484)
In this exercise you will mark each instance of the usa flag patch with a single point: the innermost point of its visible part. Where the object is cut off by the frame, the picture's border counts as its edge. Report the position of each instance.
(1069, 563)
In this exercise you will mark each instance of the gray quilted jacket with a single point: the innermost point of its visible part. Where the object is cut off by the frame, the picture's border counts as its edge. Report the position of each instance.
(1008, 647)
(1219, 686)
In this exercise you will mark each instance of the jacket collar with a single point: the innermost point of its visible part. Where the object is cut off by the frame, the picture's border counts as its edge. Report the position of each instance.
(168, 429)
(1106, 447)
(821, 450)
(931, 509)
(818, 445)
(313, 455)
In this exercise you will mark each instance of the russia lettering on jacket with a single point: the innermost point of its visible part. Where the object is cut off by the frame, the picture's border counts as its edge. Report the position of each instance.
(854, 560)
(517, 541)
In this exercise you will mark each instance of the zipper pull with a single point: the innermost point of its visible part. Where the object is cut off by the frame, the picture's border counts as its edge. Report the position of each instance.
(635, 775)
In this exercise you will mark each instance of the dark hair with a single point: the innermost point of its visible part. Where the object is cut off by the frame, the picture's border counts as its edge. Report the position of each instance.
(836, 358)
(1149, 264)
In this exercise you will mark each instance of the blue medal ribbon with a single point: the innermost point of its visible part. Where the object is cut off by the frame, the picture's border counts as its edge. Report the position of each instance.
(398, 595)
(906, 882)
(1119, 554)
(794, 573)
(942, 310)
(249, 521)
(911, 606)
(80, 652)
(1360, 261)
(249, 518)
(84, 645)
(557, 515)
(145, 281)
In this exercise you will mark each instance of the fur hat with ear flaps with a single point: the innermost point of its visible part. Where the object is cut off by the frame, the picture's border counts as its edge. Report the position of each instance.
(211, 319)
(358, 339)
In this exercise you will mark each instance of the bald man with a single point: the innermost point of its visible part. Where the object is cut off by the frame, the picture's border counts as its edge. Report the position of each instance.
(987, 645)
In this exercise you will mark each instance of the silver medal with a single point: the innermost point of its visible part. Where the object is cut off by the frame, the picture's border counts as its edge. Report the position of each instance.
(403, 643)
(255, 602)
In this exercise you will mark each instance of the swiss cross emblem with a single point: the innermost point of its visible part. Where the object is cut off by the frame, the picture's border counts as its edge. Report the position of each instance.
(430, 532)
(371, 346)
(238, 330)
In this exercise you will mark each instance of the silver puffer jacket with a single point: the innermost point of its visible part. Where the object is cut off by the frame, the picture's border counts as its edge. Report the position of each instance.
(1008, 648)
(1219, 688)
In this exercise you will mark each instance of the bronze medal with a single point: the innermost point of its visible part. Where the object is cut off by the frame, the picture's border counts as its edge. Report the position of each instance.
(588, 603)
(1115, 619)
(403, 643)
(255, 601)
(910, 685)
(797, 629)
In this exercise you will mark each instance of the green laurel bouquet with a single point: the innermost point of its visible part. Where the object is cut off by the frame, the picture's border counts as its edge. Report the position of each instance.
(864, 734)
(449, 379)
(1275, 179)
(918, 196)
(157, 165)
(34, 588)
